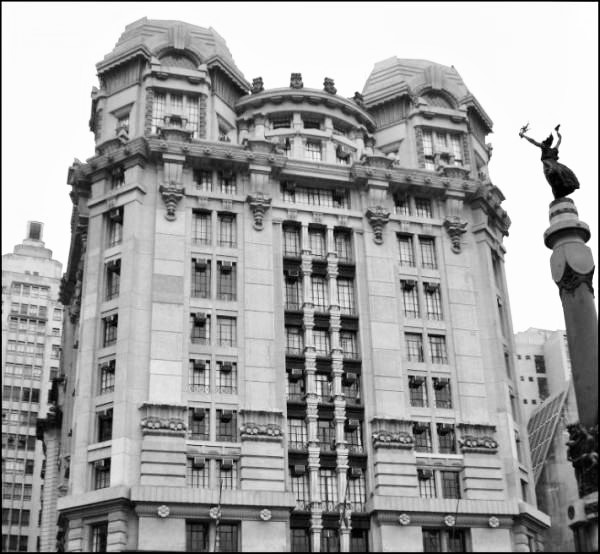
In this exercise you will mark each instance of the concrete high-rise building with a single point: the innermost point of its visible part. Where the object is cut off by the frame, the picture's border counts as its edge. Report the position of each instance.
(288, 325)
(549, 404)
(31, 334)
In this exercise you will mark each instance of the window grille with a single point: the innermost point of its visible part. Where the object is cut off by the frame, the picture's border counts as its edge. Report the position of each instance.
(226, 281)
(407, 256)
(352, 391)
(181, 106)
(328, 489)
(291, 242)
(346, 299)
(200, 328)
(227, 473)
(226, 377)
(323, 386)
(354, 437)
(320, 294)
(317, 242)
(312, 150)
(201, 224)
(199, 375)
(450, 484)
(201, 277)
(426, 481)
(446, 438)
(113, 279)
(295, 389)
(226, 426)
(326, 435)
(414, 347)
(300, 489)
(330, 540)
(297, 434)
(110, 324)
(433, 301)
(410, 298)
(428, 258)
(443, 393)
(102, 474)
(99, 536)
(227, 537)
(422, 434)
(293, 294)
(343, 246)
(417, 387)
(437, 349)
(226, 328)
(357, 492)
(196, 536)
(294, 340)
(198, 424)
(349, 344)
(321, 342)
(300, 539)
(227, 230)
(327, 198)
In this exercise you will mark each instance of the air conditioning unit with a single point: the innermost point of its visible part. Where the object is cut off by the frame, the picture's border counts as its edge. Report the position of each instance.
(355, 472)
(113, 264)
(444, 429)
(425, 474)
(340, 192)
(352, 424)
(419, 428)
(226, 267)
(292, 275)
(115, 215)
(299, 469)
(409, 284)
(416, 382)
(200, 264)
(432, 287)
(226, 415)
(289, 186)
(296, 374)
(200, 318)
(198, 414)
(349, 378)
(439, 384)
(199, 365)
(226, 367)
(198, 462)
(227, 464)
(101, 464)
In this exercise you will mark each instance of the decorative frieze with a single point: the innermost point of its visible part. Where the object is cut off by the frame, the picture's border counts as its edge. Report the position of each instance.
(392, 433)
(253, 431)
(378, 217)
(259, 203)
(163, 419)
(477, 438)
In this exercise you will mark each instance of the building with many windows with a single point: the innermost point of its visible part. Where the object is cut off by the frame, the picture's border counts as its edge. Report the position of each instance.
(31, 335)
(288, 326)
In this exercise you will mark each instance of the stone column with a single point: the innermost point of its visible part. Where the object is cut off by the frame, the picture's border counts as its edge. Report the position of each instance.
(572, 266)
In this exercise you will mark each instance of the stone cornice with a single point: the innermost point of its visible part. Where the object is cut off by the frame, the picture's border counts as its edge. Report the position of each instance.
(311, 97)
(112, 61)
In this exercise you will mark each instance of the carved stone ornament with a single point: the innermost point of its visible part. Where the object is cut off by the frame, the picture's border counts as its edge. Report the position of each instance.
(160, 423)
(493, 522)
(359, 99)
(455, 227)
(215, 512)
(449, 520)
(265, 514)
(254, 431)
(296, 80)
(388, 439)
(328, 86)
(470, 443)
(163, 511)
(582, 452)
(378, 217)
(257, 85)
(171, 195)
(259, 203)
(404, 519)
(571, 280)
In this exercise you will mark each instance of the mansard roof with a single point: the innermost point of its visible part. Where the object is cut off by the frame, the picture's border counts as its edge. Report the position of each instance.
(395, 77)
(153, 38)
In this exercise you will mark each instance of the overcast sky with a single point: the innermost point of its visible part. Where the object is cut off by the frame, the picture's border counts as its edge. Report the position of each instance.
(524, 62)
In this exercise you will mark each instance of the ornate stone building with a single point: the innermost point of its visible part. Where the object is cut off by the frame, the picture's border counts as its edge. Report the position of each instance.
(288, 327)
(31, 335)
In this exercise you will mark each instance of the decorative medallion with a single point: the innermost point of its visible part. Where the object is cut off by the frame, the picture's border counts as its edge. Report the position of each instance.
(215, 512)
(493, 522)
(265, 514)
(403, 519)
(450, 520)
(163, 511)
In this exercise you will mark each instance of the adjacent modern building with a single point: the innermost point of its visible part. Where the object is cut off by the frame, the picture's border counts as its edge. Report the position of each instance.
(31, 336)
(549, 403)
(287, 324)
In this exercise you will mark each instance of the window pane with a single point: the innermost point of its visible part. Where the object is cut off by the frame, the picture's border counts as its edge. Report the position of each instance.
(407, 256)
(428, 258)
(201, 228)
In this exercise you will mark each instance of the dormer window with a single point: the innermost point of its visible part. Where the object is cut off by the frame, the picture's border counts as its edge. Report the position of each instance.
(441, 148)
(176, 110)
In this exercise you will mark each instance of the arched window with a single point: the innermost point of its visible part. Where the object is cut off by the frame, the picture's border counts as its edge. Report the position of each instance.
(437, 99)
(175, 59)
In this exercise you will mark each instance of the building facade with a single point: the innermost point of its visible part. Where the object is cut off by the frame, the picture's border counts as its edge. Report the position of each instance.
(288, 324)
(31, 335)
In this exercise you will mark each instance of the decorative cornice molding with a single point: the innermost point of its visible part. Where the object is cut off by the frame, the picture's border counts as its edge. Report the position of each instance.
(387, 439)
(163, 419)
(255, 432)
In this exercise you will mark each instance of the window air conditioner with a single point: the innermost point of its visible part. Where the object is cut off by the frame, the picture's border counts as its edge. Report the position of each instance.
(226, 367)
(226, 415)
(425, 474)
(100, 464)
(444, 429)
(226, 267)
(227, 464)
(289, 186)
(198, 462)
(198, 414)
(419, 428)
(200, 264)
(296, 374)
(416, 382)
(199, 365)
(432, 287)
(439, 384)
(352, 424)
(355, 472)
(409, 284)
(115, 215)
(299, 469)
(349, 378)
(200, 318)
(292, 275)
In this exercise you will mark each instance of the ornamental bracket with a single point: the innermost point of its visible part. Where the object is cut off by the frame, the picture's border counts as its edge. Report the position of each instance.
(378, 217)
(259, 203)
(171, 195)
(455, 227)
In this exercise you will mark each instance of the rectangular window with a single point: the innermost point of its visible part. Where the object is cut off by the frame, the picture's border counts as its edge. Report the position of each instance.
(346, 296)
(102, 474)
(281, 122)
(312, 150)
(197, 474)
(175, 110)
(323, 387)
(330, 540)
(115, 226)
(198, 424)
(113, 279)
(297, 436)
(456, 149)
(321, 342)
(105, 422)
(426, 481)
(226, 280)
(407, 255)
(300, 539)
(200, 324)
(203, 180)
(417, 387)
(294, 340)
(226, 331)
(359, 540)
(343, 246)
(196, 537)
(543, 390)
(293, 293)
(226, 377)
(457, 540)
(300, 488)
(227, 537)
(110, 324)
(446, 438)
(433, 301)
(226, 425)
(443, 393)
(437, 349)
(540, 364)
(422, 434)
(326, 435)
(329, 490)
(423, 208)
(450, 484)
(410, 298)
(199, 372)
(201, 277)
(291, 242)
(295, 386)
(357, 489)
(99, 535)
(353, 436)
(201, 227)
(414, 347)
(227, 183)
(349, 345)
(327, 198)
(428, 258)
(432, 540)
(317, 242)
(227, 230)
(227, 473)
(401, 204)
(320, 294)
(117, 177)
(351, 388)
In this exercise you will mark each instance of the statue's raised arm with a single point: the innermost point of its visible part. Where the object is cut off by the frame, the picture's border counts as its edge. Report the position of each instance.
(562, 180)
